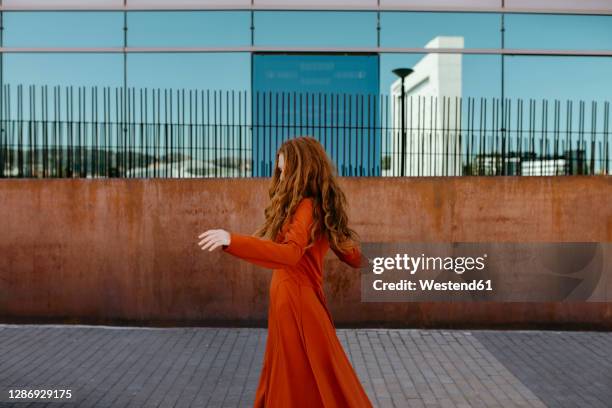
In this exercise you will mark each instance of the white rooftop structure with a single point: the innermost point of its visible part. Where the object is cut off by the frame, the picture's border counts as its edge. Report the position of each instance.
(432, 94)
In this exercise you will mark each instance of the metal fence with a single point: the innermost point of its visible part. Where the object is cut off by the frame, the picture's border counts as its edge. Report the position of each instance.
(93, 132)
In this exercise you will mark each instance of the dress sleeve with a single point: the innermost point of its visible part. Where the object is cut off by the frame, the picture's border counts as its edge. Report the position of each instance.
(270, 254)
(354, 257)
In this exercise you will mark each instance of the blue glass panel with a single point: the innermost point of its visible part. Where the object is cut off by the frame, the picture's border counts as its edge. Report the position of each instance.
(82, 69)
(315, 28)
(479, 75)
(551, 31)
(63, 29)
(189, 71)
(446, 97)
(569, 99)
(331, 97)
(188, 28)
(79, 71)
(417, 29)
(550, 77)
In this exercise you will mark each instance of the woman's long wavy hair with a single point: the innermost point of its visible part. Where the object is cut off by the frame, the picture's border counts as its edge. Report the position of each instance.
(308, 172)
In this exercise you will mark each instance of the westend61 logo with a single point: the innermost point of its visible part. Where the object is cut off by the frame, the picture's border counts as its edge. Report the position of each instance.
(487, 271)
(412, 265)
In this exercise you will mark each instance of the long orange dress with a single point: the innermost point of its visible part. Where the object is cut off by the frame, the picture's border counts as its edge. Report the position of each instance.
(304, 362)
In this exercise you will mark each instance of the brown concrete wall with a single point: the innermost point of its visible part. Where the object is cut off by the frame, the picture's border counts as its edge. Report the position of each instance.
(115, 251)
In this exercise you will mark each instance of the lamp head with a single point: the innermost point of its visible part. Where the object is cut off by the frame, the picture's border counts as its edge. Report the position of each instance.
(402, 72)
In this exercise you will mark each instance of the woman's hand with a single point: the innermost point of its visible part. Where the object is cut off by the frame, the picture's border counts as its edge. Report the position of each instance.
(213, 239)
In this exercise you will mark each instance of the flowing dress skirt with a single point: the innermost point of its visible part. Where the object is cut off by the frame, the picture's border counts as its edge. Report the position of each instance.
(304, 363)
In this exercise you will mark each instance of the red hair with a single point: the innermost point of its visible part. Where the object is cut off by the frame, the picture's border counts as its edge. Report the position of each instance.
(308, 172)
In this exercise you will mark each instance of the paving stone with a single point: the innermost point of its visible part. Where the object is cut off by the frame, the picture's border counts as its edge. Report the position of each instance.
(219, 367)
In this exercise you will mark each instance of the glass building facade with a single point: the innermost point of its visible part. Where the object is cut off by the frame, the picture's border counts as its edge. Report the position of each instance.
(308, 93)
(210, 89)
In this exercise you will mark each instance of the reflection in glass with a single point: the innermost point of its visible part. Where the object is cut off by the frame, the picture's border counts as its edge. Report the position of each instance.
(58, 118)
(439, 99)
(195, 114)
(188, 28)
(558, 77)
(565, 105)
(333, 98)
(190, 114)
(475, 75)
(76, 69)
(550, 31)
(189, 70)
(418, 29)
(62, 29)
(315, 28)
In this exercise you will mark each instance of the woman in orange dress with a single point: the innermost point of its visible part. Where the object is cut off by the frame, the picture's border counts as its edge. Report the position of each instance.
(304, 363)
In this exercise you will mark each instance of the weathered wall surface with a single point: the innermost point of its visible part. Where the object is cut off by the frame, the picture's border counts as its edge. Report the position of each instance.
(125, 250)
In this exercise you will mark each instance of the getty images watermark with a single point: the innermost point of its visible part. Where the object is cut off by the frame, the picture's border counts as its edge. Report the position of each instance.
(500, 272)
(412, 264)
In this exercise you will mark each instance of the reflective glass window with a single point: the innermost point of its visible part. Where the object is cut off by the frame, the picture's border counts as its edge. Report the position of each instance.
(63, 29)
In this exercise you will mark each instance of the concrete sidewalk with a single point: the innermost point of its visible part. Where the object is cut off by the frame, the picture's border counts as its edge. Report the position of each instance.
(219, 367)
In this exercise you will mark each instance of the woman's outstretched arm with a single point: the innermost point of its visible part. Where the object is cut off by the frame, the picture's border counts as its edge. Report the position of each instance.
(271, 254)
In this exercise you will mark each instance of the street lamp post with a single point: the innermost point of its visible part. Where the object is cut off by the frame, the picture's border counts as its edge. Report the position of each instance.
(403, 73)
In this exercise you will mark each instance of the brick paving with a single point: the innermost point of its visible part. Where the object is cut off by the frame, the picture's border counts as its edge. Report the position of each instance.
(219, 367)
